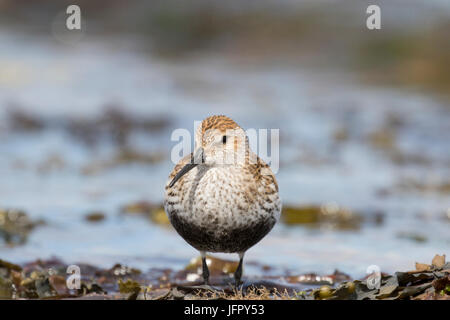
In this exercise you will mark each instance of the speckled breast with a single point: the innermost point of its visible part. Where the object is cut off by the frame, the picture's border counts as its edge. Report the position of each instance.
(221, 209)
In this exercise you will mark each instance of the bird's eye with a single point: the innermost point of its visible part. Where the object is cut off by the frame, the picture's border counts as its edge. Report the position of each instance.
(224, 139)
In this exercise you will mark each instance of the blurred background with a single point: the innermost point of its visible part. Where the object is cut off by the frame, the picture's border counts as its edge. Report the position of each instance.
(86, 118)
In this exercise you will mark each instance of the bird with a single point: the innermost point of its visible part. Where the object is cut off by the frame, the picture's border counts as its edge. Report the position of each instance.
(222, 197)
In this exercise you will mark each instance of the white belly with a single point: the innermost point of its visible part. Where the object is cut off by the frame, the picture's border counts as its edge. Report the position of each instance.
(219, 205)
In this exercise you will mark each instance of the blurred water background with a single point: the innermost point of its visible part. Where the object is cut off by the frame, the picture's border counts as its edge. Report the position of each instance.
(86, 118)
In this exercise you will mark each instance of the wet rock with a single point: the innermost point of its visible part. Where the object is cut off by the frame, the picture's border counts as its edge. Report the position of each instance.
(127, 155)
(159, 216)
(341, 135)
(384, 138)
(95, 216)
(329, 215)
(442, 285)
(122, 157)
(432, 295)
(155, 212)
(177, 294)
(315, 279)
(54, 264)
(138, 207)
(58, 283)
(94, 296)
(157, 294)
(87, 288)
(36, 285)
(114, 124)
(416, 237)
(15, 225)
(46, 280)
(6, 288)
(129, 286)
(9, 266)
(119, 270)
(43, 288)
(16, 277)
(300, 215)
(401, 157)
(415, 185)
(324, 292)
(418, 284)
(22, 121)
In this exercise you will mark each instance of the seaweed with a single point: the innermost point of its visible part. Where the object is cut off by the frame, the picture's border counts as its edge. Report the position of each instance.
(47, 280)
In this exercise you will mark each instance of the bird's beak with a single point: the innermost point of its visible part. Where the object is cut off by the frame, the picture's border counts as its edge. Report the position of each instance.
(196, 159)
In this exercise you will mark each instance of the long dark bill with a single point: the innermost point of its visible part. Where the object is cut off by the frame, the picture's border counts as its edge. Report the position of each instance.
(195, 161)
(182, 172)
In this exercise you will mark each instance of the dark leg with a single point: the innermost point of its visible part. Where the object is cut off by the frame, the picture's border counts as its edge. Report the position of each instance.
(238, 272)
(205, 269)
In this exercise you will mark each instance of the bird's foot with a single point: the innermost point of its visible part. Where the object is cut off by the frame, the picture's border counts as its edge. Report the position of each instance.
(237, 286)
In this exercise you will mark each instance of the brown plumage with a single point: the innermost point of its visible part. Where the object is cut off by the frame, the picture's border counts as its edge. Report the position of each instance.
(217, 205)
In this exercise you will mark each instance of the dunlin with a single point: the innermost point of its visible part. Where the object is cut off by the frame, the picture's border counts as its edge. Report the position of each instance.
(222, 197)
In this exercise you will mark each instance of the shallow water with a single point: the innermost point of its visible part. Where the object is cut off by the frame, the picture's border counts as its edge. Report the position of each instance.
(56, 83)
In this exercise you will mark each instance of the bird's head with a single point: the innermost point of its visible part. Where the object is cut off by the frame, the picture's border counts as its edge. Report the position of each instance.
(219, 141)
